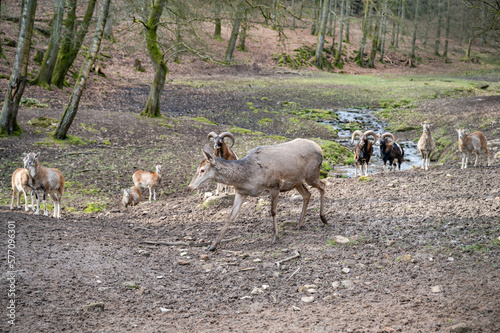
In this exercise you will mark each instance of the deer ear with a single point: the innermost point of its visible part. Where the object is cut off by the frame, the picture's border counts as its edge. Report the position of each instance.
(208, 154)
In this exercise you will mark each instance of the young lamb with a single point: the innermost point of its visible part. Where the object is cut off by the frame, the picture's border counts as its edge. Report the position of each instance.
(131, 196)
(20, 183)
(426, 145)
(473, 143)
(148, 179)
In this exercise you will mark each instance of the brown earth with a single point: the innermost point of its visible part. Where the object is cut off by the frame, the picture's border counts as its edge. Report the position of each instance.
(423, 254)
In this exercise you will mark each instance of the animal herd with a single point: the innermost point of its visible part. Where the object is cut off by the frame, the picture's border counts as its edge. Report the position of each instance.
(266, 170)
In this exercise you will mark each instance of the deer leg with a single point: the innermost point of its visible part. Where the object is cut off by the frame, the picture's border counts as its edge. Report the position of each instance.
(306, 196)
(154, 194)
(477, 159)
(45, 211)
(238, 201)
(25, 201)
(274, 206)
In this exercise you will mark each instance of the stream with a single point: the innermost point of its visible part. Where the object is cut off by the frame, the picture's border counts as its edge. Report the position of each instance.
(367, 121)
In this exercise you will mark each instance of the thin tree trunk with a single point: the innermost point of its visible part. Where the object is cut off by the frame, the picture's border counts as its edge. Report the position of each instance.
(244, 32)
(44, 77)
(178, 38)
(17, 82)
(217, 20)
(373, 51)
(293, 16)
(314, 26)
(414, 38)
(360, 59)
(438, 29)
(333, 18)
(152, 108)
(483, 22)
(348, 20)
(72, 107)
(384, 30)
(403, 16)
(234, 33)
(2, 55)
(66, 57)
(108, 28)
(447, 31)
(321, 35)
(398, 23)
(341, 32)
(427, 25)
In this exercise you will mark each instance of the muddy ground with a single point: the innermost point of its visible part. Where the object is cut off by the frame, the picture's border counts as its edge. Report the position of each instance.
(422, 256)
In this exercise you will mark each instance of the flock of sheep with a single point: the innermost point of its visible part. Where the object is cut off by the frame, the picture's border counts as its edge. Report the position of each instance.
(266, 170)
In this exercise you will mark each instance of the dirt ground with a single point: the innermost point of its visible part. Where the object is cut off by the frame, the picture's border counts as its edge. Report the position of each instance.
(422, 253)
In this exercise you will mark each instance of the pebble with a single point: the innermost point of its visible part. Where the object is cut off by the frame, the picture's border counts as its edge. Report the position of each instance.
(183, 262)
(102, 288)
(93, 307)
(204, 257)
(348, 284)
(341, 239)
(345, 270)
(295, 308)
(307, 299)
(163, 310)
(265, 286)
(451, 259)
(159, 277)
(257, 291)
(130, 284)
(436, 289)
(335, 284)
(257, 260)
(460, 328)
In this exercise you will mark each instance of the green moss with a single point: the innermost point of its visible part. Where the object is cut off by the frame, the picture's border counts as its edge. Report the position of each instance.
(202, 120)
(240, 130)
(43, 122)
(166, 125)
(31, 102)
(88, 127)
(106, 142)
(94, 207)
(315, 114)
(265, 122)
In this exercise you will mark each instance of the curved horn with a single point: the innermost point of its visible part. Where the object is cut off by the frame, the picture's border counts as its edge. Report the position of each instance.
(211, 135)
(375, 135)
(390, 135)
(229, 135)
(357, 132)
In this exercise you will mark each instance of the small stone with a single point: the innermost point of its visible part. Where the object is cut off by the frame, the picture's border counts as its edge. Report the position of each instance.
(348, 284)
(406, 257)
(460, 328)
(204, 257)
(345, 270)
(451, 259)
(257, 260)
(335, 284)
(93, 307)
(312, 291)
(436, 289)
(307, 299)
(207, 195)
(183, 254)
(317, 281)
(257, 291)
(163, 310)
(295, 308)
(140, 291)
(388, 329)
(130, 284)
(98, 281)
(265, 286)
(102, 288)
(159, 277)
(341, 239)
(246, 297)
(183, 262)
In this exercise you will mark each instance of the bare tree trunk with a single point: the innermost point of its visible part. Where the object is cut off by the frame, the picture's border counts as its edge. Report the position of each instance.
(293, 16)
(71, 43)
(402, 20)
(447, 31)
(244, 31)
(314, 26)
(152, 108)
(234, 33)
(438, 29)
(364, 31)
(17, 83)
(341, 32)
(333, 17)
(217, 20)
(108, 28)
(72, 107)
(348, 20)
(373, 51)
(427, 24)
(321, 35)
(2, 55)
(398, 23)
(384, 30)
(483, 21)
(44, 77)
(414, 38)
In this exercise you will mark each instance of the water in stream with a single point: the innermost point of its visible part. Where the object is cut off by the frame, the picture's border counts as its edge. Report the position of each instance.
(368, 121)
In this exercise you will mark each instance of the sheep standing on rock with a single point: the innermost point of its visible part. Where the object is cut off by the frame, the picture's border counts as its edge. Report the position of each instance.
(426, 145)
(473, 143)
